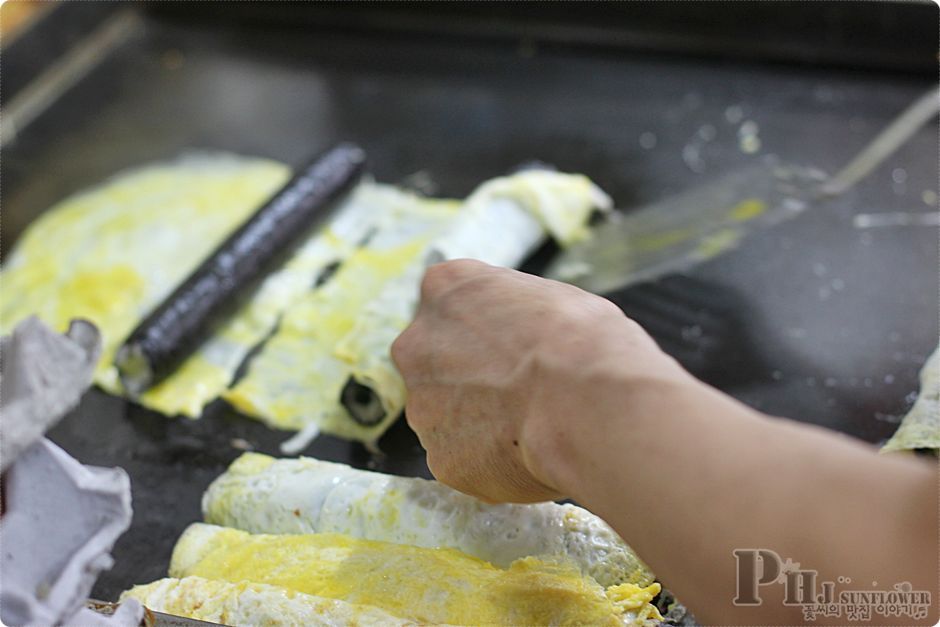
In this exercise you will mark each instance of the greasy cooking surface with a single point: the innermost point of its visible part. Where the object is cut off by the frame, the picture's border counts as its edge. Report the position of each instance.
(817, 319)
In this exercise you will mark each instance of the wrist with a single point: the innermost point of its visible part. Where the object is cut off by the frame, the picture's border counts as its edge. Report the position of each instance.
(575, 402)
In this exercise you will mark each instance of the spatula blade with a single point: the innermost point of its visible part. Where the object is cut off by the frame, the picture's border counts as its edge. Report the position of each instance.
(673, 234)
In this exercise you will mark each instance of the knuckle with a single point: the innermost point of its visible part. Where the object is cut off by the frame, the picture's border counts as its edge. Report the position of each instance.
(607, 306)
(466, 265)
(431, 284)
(402, 349)
(590, 310)
(440, 276)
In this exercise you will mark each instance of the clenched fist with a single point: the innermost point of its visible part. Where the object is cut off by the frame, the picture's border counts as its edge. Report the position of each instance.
(500, 366)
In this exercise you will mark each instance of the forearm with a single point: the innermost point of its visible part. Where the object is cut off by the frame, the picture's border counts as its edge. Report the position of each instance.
(688, 475)
(522, 389)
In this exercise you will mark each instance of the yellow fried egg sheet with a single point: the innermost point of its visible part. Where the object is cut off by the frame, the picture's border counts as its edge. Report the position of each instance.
(254, 604)
(432, 586)
(261, 494)
(296, 380)
(346, 329)
(113, 253)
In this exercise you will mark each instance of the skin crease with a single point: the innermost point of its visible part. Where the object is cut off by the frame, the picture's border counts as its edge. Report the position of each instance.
(523, 389)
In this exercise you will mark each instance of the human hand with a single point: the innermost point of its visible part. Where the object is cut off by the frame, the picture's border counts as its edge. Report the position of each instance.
(501, 365)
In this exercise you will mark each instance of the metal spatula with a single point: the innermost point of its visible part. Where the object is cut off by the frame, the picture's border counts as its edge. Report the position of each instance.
(681, 231)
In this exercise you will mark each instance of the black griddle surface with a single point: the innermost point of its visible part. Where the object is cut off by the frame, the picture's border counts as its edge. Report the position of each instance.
(824, 322)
